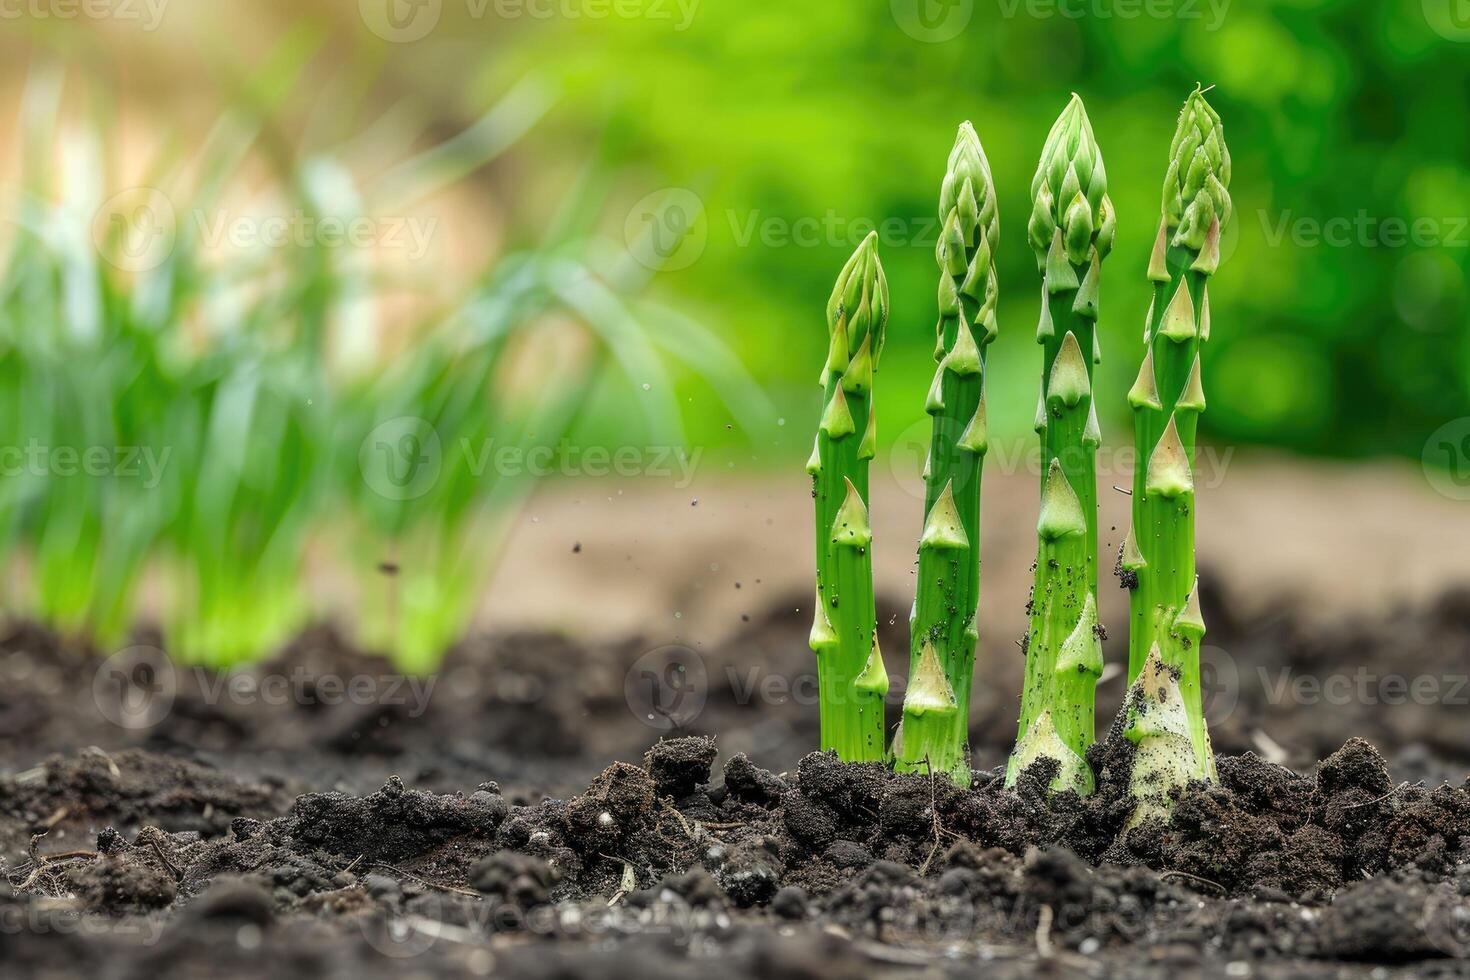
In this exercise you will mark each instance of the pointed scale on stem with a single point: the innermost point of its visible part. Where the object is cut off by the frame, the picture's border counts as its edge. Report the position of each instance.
(837, 420)
(1169, 473)
(943, 529)
(1179, 325)
(822, 636)
(1042, 741)
(1129, 557)
(929, 692)
(1070, 381)
(874, 678)
(976, 437)
(1189, 625)
(1061, 511)
(1193, 398)
(850, 529)
(1081, 652)
(1092, 435)
(1156, 722)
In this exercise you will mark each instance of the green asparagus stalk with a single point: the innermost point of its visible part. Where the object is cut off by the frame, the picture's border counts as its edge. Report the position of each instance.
(934, 734)
(1157, 562)
(851, 680)
(1071, 231)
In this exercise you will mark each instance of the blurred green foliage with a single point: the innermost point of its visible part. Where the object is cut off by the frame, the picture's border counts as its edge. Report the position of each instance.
(166, 409)
(1341, 313)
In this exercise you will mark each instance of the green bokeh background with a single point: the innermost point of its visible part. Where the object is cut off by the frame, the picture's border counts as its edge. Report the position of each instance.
(1340, 323)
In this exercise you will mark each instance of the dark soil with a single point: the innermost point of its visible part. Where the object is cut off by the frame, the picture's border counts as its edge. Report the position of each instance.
(487, 825)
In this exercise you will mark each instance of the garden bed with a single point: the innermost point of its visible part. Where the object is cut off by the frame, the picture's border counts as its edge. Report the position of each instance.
(511, 817)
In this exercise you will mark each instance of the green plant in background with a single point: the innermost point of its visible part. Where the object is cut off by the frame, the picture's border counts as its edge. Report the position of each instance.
(934, 733)
(430, 503)
(90, 427)
(430, 494)
(556, 332)
(200, 421)
(1071, 231)
(851, 676)
(257, 393)
(1157, 562)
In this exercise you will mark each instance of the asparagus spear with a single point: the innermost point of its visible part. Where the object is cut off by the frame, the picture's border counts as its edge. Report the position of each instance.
(934, 734)
(1071, 231)
(852, 681)
(1157, 562)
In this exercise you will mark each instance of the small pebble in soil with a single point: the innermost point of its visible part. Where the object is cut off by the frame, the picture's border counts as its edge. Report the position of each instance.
(244, 828)
(234, 899)
(790, 903)
(679, 765)
(747, 882)
(493, 804)
(520, 879)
